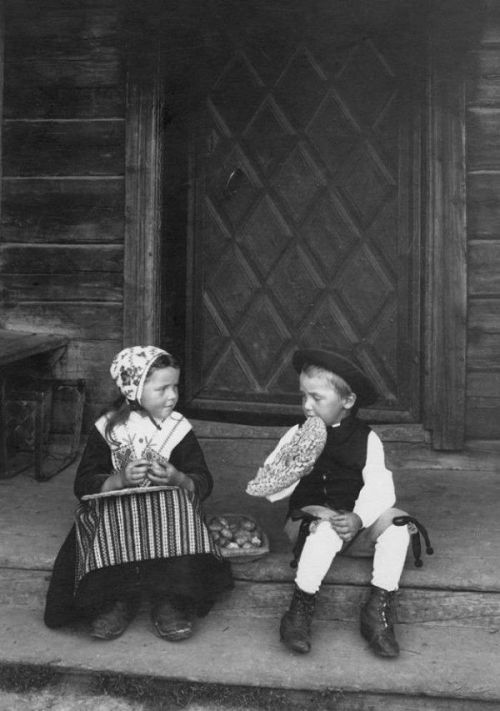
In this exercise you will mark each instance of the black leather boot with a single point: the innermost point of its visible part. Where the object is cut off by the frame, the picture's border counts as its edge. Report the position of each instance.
(377, 623)
(295, 628)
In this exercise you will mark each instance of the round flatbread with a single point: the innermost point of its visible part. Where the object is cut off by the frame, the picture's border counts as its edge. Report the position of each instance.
(293, 458)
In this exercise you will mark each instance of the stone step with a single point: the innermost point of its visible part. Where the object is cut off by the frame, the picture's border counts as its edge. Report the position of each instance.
(335, 602)
(441, 668)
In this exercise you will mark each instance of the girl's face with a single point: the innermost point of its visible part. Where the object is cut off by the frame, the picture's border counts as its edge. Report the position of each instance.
(161, 392)
(320, 398)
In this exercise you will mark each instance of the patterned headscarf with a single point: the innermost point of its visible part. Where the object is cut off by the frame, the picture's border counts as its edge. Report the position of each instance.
(130, 368)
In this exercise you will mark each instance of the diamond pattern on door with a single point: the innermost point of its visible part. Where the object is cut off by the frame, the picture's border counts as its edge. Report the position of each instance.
(301, 214)
(269, 136)
(328, 233)
(366, 83)
(215, 335)
(363, 298)
(232, 187)
(332, 133)
(302, 71)
(295, 285)
(264, 236)
(232, 285)
(297, 180)
(261, 337)
(365, 186)
(238, 73)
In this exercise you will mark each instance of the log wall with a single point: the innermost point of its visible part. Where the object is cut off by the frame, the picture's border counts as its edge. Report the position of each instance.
(61, 260)
(63, 202)
(483, 217)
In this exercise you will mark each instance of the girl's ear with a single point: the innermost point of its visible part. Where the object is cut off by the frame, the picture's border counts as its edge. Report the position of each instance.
(349, 401)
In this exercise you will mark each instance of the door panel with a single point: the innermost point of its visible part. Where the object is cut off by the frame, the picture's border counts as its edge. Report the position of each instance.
(305, 220)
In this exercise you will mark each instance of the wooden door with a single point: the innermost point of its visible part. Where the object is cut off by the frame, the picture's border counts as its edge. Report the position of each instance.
(305, 217)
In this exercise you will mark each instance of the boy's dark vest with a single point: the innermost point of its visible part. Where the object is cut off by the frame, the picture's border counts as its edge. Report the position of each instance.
(336, 478)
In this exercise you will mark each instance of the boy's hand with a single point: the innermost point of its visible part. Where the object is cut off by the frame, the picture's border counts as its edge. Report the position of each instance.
(346, 524)
(135, 473)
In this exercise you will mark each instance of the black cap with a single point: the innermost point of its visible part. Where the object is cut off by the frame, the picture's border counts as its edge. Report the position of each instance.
(341, 366)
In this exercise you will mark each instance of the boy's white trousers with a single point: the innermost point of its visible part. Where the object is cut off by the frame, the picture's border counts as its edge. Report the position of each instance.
(323, 544)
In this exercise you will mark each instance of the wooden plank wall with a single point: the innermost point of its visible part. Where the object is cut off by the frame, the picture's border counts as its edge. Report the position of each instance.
(62, 222)
(483, 214)
(61, 257)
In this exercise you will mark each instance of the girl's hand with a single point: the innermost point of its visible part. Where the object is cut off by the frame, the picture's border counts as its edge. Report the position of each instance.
(346, 524)
(168, 475)
(135, 473)
(160, 475)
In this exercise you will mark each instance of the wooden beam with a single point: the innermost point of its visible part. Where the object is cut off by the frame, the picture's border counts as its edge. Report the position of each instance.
(143, 181)
(63, 210)
(446, 304)
(63, 148)
(91, 320)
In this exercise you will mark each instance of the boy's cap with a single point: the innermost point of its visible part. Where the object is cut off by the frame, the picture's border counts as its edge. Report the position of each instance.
(342, 366)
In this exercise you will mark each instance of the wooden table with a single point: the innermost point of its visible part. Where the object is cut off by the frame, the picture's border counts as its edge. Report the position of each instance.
(15, 347)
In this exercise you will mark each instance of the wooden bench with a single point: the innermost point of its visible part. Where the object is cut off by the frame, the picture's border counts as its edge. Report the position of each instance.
(37, 352)
(19, 345)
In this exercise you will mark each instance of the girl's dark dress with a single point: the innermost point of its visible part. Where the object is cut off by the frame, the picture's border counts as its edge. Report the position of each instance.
(193, 581)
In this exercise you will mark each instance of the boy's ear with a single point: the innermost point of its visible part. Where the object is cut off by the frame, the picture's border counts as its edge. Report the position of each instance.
(349, 401)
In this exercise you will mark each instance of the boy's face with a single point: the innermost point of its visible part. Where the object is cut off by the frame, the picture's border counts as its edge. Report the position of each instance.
(320, 398)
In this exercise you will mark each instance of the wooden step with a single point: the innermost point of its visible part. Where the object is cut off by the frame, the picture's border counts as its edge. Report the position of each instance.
(448, 611)
(343, 602)
(335, 602)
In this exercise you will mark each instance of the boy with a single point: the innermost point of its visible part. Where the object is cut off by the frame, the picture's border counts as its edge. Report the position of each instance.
(345, 504)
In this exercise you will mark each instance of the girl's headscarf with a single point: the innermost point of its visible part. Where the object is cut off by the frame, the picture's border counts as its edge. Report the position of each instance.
(130, 368)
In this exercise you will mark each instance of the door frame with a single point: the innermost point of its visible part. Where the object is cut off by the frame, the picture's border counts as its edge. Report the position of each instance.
(445, 304)
(444, 311)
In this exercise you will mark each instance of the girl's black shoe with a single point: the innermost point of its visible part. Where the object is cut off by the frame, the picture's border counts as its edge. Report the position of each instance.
(113, 620)
(170, 622)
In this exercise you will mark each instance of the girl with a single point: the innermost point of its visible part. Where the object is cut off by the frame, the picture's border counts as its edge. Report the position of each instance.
(139, 528)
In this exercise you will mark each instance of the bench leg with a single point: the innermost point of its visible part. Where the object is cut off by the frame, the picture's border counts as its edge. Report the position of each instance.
(4, 459)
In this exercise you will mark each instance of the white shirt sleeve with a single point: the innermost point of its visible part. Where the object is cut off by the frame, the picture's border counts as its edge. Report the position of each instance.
(377, 494)
(278, 495)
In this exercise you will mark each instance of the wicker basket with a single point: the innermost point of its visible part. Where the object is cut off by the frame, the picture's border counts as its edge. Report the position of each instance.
(244, 553)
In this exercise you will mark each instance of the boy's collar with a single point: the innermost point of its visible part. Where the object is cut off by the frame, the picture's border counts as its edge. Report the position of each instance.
(346, 419)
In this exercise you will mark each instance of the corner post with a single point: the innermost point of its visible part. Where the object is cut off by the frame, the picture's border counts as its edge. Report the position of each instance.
(143, 194)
